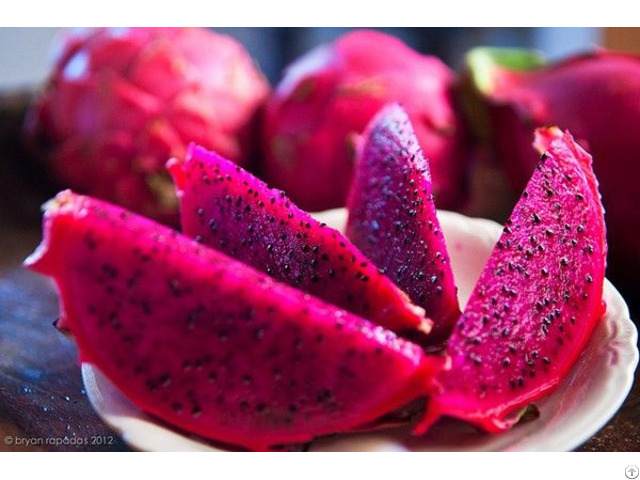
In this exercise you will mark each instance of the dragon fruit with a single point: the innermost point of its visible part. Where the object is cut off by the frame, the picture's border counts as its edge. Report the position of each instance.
(227, 208)
(329, 95)
(210, 345)
(120, 102)
(537, 300)
(392, 217)
(597, 97)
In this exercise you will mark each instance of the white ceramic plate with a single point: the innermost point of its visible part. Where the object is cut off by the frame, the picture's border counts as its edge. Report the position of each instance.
(587, 399)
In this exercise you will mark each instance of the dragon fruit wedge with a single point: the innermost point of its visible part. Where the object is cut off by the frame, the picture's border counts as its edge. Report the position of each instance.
(327, 97)
(537, 300)
(597, 97)
(227, 208)
(210, 345)
(392, 217)
(120, 102)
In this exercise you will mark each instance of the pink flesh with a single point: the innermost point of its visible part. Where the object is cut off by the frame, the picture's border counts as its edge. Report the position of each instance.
(537, 300)
(210, 345)
(392, 217)
(229, 209)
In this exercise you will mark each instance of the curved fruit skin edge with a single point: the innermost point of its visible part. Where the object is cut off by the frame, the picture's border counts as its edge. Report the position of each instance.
(504, 417)
(67, 209)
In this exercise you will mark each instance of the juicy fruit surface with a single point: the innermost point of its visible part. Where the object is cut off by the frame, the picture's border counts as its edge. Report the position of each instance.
(230, 210)
(120, 102)
(210, 345)
(327, 97)
(392, 217)
(537, 300)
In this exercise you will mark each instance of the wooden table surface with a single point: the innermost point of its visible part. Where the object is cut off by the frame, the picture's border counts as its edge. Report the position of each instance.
(42, 402)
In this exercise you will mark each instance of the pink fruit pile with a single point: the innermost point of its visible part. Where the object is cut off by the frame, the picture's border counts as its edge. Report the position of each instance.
(119, 102)
(259, 327)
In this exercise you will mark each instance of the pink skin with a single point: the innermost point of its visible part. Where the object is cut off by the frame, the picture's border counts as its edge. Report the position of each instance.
(120, 102)
(536, 302)
(326, 99)
(392, 217)
(210, 345)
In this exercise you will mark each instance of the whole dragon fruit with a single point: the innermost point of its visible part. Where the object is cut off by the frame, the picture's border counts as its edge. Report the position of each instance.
(597, 97)
(327, 97)
(537, 300)
(120, 102)
(210, 345)
(393, 220)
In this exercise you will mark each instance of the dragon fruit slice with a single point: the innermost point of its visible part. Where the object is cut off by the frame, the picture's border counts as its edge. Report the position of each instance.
(229, 209)
(537, 300)
(120, 101)
(596, 96)
(211, 345)
(392, 217)
(327, 97)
